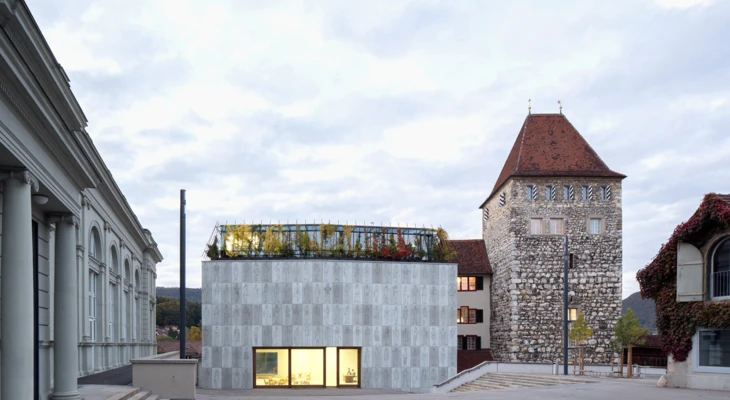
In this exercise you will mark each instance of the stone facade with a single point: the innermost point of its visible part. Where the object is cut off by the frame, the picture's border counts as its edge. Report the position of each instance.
(527, 288)
(401, 315)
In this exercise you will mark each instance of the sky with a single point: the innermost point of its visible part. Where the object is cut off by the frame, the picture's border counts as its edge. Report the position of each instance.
(393, 112)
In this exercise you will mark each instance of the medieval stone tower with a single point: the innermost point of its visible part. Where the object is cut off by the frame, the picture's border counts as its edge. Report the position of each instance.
(552, 184)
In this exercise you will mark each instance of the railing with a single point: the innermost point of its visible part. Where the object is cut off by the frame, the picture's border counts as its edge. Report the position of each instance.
(242, 241)
(721, 283)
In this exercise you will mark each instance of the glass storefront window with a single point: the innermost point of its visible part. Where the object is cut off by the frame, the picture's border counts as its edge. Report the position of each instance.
(349, 373)
(307, 367)
(272, 367)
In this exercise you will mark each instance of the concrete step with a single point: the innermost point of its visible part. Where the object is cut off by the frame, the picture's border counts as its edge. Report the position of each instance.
(140, 396)
(124, 395)
(494, 381)
(153, 397)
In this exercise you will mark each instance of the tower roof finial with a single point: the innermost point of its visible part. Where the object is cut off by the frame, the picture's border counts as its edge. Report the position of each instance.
(560, 106)
(529, 106)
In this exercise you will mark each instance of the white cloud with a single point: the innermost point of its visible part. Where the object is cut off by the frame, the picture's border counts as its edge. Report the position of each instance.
(389, 111)
(683, 4)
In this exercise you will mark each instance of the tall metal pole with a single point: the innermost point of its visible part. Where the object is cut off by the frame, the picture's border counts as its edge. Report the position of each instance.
(182, 274)
(565, 308)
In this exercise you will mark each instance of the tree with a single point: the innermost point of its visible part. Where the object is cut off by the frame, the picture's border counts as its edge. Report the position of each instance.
(194, 333)
(628, 333)
(580, 332)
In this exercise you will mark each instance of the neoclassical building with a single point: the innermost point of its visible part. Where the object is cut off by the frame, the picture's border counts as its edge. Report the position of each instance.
(77, 277)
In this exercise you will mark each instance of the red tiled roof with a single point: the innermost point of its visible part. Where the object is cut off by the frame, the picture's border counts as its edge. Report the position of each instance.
(191, 346)
(471, 255)
(549, 145)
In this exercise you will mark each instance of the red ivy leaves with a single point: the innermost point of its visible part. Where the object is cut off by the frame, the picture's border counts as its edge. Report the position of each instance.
(677, 322)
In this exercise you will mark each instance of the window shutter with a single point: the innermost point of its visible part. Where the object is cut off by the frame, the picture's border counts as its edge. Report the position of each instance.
(463, 343)
(480, 316)
(479, 342)
(480, 283)
(690, 268)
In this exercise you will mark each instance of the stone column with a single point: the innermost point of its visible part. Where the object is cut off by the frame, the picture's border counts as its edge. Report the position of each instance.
(16, 361)
(66, 357)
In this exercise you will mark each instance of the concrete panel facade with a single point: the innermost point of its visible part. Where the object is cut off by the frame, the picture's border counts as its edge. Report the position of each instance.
(400, 314)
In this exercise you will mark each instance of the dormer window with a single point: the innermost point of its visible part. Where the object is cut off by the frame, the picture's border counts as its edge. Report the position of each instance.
(550, 192)
(531, 192)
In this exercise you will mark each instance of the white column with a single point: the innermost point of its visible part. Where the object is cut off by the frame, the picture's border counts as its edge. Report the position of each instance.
(66, 357)
(16, 361)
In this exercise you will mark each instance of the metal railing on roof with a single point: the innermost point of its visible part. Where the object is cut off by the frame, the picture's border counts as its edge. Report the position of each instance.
(258, 241)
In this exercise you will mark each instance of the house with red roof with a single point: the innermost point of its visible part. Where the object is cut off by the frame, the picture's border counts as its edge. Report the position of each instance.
(689, 279)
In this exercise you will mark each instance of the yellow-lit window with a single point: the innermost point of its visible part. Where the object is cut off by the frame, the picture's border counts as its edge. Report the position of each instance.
(466, 283)
(572, 314)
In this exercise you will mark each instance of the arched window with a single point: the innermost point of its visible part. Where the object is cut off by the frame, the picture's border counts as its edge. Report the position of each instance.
(126, 271)
(720, 270)
(114, 259)
(94, 243)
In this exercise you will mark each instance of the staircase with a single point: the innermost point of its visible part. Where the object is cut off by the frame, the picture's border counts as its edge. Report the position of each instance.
(134, 394)
(493, 381)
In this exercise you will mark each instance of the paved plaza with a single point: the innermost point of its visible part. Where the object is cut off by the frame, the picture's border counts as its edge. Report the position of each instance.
(605, 389)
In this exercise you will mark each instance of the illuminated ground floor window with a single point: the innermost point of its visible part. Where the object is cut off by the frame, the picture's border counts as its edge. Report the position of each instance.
(306, 366)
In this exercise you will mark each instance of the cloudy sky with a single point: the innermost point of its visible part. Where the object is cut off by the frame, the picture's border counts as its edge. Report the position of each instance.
(390, 111)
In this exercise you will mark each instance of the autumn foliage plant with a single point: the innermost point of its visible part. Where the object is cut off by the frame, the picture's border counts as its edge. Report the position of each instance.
(677, 322)
(242, 241)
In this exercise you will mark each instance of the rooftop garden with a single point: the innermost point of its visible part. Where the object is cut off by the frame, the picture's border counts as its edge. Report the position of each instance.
(291, 241)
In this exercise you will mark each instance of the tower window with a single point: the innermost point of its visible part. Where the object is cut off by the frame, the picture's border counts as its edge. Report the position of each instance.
(587, 192)
(486, 214)
(536, 226)
(550, 192)
(557, 226)
(502, 199)
(531, 192)
(605, 192)
(568, 192)
(594, 226)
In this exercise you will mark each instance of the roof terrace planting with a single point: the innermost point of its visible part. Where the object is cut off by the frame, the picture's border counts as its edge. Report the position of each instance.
(361, 242)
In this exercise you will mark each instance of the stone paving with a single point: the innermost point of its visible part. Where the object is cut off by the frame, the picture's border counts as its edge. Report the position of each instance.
(602, 389)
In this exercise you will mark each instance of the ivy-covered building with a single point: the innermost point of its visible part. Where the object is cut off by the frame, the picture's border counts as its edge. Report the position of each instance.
(689, 279)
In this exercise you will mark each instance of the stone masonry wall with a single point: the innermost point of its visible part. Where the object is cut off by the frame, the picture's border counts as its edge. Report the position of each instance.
(527, 284)
(401, 314)
(499, 242)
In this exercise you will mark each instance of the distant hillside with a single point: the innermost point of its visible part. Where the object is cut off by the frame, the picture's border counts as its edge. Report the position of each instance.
(191, 294)
(645, 310)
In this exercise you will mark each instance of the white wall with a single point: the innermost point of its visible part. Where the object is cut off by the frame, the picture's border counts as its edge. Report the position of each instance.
(479, 300)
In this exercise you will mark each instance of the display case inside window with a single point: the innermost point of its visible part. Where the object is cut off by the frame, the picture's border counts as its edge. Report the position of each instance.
(349, 367)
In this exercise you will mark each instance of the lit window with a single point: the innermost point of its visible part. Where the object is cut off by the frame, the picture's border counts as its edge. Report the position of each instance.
(531, 192)
(536, 226)
(469, 283)
(572, 314)
(463, 315)
(720, 270)
(556, 226)
(594, 226)
(714, 348)
(472, 316)
(568, 192)
(550, 192)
